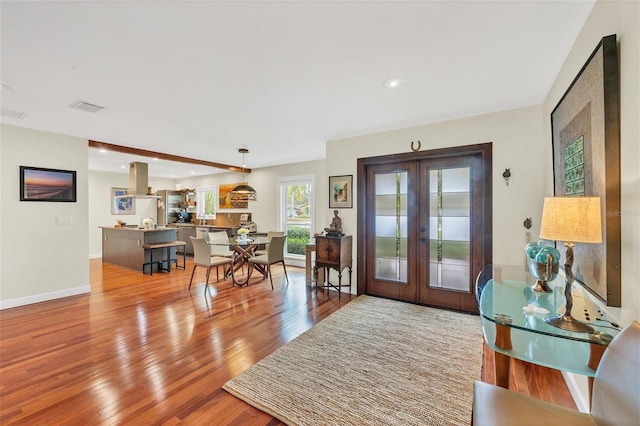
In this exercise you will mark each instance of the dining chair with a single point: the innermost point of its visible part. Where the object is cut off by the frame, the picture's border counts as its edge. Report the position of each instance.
(202, 257)
(270, 235)
(274, 255)
(219, 241)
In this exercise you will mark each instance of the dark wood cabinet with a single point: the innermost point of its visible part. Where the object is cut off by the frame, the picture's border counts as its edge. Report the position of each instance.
(336, 253)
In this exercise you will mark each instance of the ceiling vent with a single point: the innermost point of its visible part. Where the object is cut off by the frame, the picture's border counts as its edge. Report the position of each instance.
(13, 114)
(86, 106)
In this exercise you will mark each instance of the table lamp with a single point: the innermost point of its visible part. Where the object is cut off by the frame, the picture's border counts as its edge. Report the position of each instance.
(572, 220)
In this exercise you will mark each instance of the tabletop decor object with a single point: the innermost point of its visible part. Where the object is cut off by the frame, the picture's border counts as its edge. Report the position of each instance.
(544, 263)
(242, 234)
(572, 220)
(335, 228)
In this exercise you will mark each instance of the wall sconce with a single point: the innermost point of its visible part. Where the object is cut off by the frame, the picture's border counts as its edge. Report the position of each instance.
(506, 175)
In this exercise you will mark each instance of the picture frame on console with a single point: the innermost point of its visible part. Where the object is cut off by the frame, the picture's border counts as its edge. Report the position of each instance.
(341, 192)
(585, 126)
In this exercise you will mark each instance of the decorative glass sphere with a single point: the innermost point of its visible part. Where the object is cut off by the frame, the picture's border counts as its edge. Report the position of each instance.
(531, 250)
(541, 257)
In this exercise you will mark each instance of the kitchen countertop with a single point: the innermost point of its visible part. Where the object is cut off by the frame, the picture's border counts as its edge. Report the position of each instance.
(194, 225)
(135, 228)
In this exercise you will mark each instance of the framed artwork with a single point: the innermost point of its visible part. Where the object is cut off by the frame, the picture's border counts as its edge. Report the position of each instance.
(585, 127)
(120, 203)
(40, 184)
(226, 201)
(341, 192)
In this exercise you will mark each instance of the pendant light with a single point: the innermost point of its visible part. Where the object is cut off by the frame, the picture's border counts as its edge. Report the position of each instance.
(244, 191)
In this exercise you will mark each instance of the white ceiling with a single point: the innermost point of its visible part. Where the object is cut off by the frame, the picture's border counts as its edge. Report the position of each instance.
(202, 79)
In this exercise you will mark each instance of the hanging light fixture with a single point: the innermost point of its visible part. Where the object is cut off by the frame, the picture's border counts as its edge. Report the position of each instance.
(243, 191)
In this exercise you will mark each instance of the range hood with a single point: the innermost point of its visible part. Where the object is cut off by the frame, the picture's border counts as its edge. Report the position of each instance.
(139, 180)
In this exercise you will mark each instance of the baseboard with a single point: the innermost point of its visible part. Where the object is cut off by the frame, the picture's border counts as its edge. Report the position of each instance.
(95, 256)
(43, 297)
(579, 387)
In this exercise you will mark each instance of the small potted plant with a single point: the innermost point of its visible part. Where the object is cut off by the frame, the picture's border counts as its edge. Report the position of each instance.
(242, 234)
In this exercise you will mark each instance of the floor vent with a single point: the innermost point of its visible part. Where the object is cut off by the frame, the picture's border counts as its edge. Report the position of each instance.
(86, 106)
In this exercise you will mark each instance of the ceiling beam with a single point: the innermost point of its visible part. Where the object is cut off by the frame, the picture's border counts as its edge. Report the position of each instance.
(160, 155)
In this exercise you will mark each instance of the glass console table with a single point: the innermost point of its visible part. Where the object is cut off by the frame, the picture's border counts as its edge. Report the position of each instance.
(515, 332)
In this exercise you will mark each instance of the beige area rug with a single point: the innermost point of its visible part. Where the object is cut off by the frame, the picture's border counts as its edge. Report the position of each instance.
(373, 362)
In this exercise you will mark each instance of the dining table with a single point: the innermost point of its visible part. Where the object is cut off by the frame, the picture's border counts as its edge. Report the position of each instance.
(242, 249)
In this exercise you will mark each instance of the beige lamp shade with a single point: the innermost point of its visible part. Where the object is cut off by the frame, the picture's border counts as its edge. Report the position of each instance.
(572, 219)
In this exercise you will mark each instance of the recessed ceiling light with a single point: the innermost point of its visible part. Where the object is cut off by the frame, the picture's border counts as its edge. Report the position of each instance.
(103, 150)
(392, 82)
(155, 159)
(123, 166)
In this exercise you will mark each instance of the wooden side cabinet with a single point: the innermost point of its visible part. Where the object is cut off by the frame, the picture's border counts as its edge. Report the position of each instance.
(334, 252)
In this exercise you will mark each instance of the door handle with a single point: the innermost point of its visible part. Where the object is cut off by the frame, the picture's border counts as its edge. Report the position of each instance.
(423, 240)
(423, 229)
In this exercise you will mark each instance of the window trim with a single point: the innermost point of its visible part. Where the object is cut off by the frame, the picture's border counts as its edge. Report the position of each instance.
(200, 201)
(282, 207)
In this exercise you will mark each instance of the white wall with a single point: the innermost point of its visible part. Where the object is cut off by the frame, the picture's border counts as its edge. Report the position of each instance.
(42, 259)
(518, 144)
(100, 184)
(621, 18)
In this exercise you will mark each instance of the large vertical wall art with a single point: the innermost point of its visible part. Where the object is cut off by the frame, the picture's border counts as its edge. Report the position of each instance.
(585, 129)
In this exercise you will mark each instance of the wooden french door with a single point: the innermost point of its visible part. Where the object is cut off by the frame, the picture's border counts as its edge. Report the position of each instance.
(424, 225)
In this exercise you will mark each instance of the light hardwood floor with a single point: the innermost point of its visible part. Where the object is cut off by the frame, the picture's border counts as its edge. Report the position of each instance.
(144, 349)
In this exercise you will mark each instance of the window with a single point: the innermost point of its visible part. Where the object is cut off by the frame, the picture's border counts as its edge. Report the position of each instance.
(207, 201)
(296, 212)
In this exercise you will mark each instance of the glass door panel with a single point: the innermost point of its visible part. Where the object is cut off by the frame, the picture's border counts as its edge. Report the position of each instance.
(391, 226)
(391, 229)
(449, 228)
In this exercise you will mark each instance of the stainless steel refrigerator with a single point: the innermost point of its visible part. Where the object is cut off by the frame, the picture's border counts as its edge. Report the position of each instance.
(169, 206)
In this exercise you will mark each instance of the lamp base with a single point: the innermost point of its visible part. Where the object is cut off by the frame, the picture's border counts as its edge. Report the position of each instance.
(569, 323)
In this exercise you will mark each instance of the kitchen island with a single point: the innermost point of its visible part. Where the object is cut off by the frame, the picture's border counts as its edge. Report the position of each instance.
(124, 246)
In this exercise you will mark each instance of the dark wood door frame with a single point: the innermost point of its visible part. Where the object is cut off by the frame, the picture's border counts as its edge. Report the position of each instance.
(484, 151)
